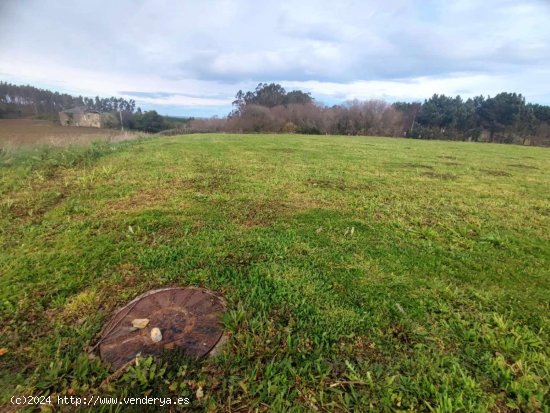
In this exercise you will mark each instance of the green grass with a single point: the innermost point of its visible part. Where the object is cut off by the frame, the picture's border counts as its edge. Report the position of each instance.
(361, 273)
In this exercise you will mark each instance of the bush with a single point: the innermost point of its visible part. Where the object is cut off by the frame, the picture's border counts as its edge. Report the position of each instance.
(149, 121)
(289, 128)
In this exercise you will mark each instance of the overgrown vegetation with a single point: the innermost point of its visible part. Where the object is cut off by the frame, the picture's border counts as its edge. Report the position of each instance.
(16, 134)
(504, 118)
(361, 273)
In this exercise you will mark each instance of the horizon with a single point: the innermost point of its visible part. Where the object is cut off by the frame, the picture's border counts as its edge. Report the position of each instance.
(406, 51)
(221, 116)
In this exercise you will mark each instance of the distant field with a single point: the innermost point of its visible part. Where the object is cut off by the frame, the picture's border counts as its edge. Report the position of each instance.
(27, 132)
(360, 273)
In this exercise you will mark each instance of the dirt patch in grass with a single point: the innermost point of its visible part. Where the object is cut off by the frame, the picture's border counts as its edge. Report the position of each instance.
(401, 334)
(267, 212)
(15, 209)
(260, 213)
(495, 172)
(126, 282)
(283, 150)
(242, 259)
(440, 175)
(30, 207)
(298, 202)
(541, 210)
(212, 170)
(522, 166)
(339, 184)
(327, 183)
(417, 165)
(208, 183)
(139, 200)
(209, 179)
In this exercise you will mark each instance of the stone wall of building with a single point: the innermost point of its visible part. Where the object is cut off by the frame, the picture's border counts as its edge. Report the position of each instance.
(65, 119)
(88, 120)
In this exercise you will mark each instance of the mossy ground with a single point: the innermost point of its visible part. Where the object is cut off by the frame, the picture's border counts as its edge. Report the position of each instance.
(361, 273)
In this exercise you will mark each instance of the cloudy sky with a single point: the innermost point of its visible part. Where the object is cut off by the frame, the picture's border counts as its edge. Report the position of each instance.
(191, 57)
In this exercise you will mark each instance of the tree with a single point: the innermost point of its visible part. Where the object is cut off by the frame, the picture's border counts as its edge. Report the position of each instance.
(541, 115)
(501, 112)
(540, 112)
(297, 97)
(255, 118)
(268, 95)
(441, 112)
(29, 100)
(470, 122)
(149, 121)
(409, 112)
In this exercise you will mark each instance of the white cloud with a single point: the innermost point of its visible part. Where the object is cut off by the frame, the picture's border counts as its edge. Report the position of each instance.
(198, 54)
(466, 85)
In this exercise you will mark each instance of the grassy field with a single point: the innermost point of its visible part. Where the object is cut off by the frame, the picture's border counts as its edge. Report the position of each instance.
(361, 274)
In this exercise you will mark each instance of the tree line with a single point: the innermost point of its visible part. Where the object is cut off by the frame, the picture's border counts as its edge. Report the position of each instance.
(504, 118)
(28, 100)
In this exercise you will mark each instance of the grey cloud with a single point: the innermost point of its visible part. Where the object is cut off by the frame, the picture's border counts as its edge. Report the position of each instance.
(208, 49)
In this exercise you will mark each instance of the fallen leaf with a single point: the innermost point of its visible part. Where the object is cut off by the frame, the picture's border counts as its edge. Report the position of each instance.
(3, 351)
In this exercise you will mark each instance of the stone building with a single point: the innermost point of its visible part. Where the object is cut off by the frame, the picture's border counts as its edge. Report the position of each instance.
(81, 116)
